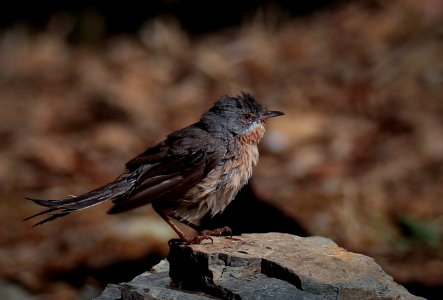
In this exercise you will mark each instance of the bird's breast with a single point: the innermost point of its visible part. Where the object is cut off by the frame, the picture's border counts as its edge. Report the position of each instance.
(234, 174)
(213, 194)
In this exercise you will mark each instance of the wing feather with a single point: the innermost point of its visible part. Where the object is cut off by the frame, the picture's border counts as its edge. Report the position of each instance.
(171, 168)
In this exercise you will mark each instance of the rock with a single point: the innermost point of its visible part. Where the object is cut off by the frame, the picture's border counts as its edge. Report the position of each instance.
(10, 290)
(262, 266)
(155, 284)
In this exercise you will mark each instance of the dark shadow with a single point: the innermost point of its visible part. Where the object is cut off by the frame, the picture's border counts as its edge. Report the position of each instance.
(428, 292)
(121, 271)
(194, 16)
(248, 214)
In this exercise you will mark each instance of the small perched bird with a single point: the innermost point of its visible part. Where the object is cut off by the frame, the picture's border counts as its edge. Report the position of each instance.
(195, 171)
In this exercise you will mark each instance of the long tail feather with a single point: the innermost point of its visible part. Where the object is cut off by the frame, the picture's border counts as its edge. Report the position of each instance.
(47, 211)
(119, 188)
(53, 217)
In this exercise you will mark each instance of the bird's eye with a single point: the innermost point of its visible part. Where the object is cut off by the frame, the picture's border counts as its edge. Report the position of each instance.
(247, 118)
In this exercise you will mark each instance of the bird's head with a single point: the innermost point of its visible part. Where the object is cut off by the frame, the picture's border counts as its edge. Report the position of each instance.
(239, 116)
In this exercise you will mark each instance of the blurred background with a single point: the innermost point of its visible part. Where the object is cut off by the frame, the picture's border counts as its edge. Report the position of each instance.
(358, 158)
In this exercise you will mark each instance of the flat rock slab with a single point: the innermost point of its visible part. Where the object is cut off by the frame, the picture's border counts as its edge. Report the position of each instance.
(262, 266)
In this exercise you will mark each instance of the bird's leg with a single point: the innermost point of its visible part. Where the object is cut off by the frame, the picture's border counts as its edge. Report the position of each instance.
(182, 236)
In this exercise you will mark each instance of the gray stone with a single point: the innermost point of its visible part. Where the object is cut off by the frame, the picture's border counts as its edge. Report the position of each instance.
(12, 291)
(262, 266)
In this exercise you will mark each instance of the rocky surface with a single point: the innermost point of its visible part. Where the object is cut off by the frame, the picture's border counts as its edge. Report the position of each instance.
(262, 266)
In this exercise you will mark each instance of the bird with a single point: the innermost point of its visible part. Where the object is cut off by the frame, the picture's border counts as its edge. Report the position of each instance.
(194, 172)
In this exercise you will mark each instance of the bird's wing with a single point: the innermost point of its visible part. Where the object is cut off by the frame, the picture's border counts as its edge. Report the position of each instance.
(171, 168)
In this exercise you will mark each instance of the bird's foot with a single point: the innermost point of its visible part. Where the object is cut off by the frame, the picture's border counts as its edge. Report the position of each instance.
(197, 239)
(190, 241)
(217, 232)
(204, 235)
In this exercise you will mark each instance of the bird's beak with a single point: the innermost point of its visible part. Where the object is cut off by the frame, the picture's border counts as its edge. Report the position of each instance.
(270, 114)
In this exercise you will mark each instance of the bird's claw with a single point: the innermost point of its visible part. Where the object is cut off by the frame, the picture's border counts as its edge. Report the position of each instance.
(218, 232)
(198, 239)
(205, 235)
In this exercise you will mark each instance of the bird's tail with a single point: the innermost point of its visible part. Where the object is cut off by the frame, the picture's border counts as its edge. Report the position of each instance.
(119, 188)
